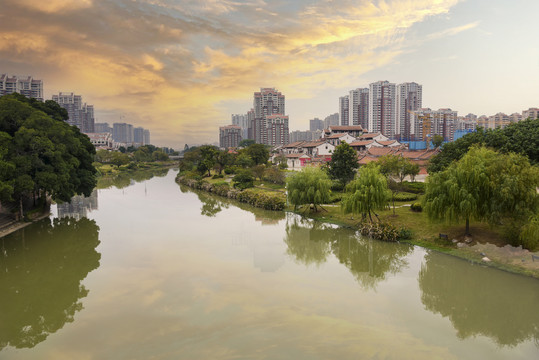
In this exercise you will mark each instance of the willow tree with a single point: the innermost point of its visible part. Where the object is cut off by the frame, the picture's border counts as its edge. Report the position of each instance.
(483, 185)
(367, 193)
(309, 187)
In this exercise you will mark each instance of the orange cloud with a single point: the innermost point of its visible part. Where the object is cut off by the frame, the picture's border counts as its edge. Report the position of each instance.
(173, 68)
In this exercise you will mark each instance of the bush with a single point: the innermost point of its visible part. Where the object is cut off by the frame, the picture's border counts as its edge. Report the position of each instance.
(416, 207)
(380, 231)
(274, 175)
(230, 170)
(216, 176)
(335, 197)
(414, 187)
(403, 196)
(243, 180)
(337, 186)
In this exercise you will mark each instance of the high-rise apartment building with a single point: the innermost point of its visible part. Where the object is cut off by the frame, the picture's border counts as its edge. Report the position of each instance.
(241, 120)
(383, 108)
(332, 119)
(80, 114)
(436, 122)
(230, 136)
(531, 113)
(102, 128)
(24, 85)
(123, 133)
(269, 102)
(358, 101)
(316, 124)
(409, 100)
(277, 130)
(138, 136)
(344, 110)
(147, 137)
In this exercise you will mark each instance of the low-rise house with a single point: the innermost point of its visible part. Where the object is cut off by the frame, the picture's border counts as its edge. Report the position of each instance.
(296, 161)
(319, 148)
(373, 136)
(336, 139)
(352, 130)
(101, 140)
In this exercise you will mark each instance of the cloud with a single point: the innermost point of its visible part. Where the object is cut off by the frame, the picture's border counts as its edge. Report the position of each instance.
(453, 31)
(173, 65)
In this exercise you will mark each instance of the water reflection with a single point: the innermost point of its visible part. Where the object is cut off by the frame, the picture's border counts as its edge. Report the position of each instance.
(125, 179)
(502, 306)
(42, 267)
(368, 260)
(79, 207)
(213, 204)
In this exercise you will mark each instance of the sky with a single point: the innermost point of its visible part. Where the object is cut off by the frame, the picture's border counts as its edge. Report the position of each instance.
(180, 68)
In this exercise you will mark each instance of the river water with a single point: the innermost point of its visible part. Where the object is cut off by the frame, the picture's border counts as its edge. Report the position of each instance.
(151, 270)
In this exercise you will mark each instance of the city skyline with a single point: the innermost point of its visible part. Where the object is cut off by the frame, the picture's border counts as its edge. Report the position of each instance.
(182, 68)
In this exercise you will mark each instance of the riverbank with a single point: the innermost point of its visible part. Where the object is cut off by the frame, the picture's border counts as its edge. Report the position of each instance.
(485, 248)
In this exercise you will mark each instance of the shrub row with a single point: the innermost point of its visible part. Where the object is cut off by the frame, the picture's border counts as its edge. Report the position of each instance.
(404, 196)
(384, 231)
(414, 187)
(257, 199)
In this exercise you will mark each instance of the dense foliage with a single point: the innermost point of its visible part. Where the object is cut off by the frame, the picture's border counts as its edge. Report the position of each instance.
(310, 186)
(484, 185)
(343, 164)
(40, 153)
(521, 138)
(367, 193)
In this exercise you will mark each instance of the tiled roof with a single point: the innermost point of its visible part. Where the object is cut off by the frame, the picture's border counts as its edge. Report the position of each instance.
(365, 159)
(361, 142)
(346, 128)
(369, 136)
(313, 144)
(294, 144)
(292, 156)
(380, 151)
(336, 136)
(387, 143)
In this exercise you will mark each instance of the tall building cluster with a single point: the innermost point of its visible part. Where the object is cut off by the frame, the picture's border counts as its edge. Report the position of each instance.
(80, 114)
(125, 134)
(25, 85)
(266, 123)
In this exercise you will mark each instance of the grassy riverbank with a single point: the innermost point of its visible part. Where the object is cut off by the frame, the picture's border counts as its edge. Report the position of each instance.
(486, 242)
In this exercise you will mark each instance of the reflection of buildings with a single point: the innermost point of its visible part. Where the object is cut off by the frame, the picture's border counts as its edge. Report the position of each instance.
(79, 207)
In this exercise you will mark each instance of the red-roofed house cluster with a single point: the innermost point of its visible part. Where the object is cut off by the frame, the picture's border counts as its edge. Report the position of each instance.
(369, 147)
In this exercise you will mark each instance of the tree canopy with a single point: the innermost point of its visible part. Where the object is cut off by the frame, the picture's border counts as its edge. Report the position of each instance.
(483, 185)
(309, 186)
(46, 154)
(367, 193)
(343, 163)
(521, 137)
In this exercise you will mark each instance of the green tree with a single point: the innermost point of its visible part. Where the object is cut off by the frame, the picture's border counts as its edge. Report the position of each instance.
(343, 164)
(159, 155)
(367, 193)
(483, 185)
(437, 140)
(521, 138)
(396, 168)
(258, 171)
(246, 143)
(244, 160)
(311, 186)
(243, 179)
(142, 154)
(259, 153)
(222, 160)
(118, 158)
(274, 175)
(208, 154)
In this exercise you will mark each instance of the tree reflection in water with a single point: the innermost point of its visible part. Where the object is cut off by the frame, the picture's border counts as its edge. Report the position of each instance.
(127, 178)
(503, 307)
(40, 279)
(368, 260)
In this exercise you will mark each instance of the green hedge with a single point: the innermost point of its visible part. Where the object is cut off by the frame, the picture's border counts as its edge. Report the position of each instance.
(414, 187)
(404, 196)
(257, 199)
(384, 231)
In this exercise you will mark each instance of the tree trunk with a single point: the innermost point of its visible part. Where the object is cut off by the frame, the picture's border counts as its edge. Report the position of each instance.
(21, 211)
(468, 227)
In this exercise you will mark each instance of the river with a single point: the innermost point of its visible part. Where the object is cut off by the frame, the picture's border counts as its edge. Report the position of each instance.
(152, 270)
